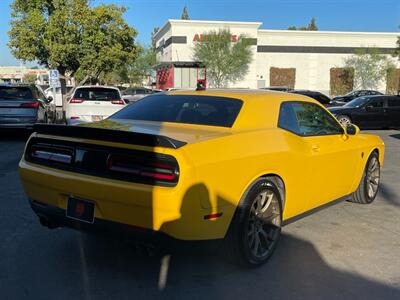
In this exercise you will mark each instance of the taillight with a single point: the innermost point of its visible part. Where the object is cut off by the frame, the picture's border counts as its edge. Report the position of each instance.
(73, 100)
(51, 153)
(153, 170)
(30, 105)
(121, 102)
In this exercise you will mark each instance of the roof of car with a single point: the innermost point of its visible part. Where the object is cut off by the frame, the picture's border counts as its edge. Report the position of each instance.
(17, 84)
(242, 94)
(97, 86)
(260, 107)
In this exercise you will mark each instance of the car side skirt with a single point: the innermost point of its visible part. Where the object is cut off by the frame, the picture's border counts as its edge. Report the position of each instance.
(315, 210)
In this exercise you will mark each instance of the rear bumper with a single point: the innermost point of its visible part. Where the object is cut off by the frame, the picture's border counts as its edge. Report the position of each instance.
(53, 217)
(17, 122)
(17, 126)
(173, 211)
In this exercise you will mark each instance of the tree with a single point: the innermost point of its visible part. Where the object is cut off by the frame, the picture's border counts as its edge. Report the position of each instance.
(143, 66)
(226, 61)
(153, 39)
(29, 78)
(370, 68)
(71, 36)
(185, 14)
(312, 26)
(397, 51)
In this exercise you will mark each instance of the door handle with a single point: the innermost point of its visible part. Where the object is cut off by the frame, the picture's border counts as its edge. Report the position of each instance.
(315, 148)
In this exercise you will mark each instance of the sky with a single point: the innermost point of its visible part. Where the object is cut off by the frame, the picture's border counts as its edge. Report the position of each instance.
(334, 15)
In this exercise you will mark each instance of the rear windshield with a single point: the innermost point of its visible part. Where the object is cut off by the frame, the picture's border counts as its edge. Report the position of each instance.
(97, 94)
(201, 110)
(15, 92)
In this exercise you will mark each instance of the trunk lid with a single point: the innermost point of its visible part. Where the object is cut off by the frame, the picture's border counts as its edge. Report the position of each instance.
(182, 132)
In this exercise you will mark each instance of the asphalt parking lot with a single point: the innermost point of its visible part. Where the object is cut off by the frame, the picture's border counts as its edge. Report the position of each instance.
(347, 251)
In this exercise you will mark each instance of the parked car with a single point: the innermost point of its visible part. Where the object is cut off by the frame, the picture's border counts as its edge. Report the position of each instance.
(370, 112)
(58, 99)
(148, 169)
(21, 106)
(278, 88)
(342, 100)
(133, 94)
(93, 103)
(321, 98)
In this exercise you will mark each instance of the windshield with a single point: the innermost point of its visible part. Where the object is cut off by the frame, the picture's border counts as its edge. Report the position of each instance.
(15, 92)
(97, 93)
(201, 110)
(357, 102)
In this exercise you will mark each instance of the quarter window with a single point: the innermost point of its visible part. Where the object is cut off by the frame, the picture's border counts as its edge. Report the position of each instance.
(307, 119)
(394, 102)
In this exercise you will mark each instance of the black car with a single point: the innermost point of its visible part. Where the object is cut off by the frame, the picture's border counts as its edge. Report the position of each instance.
(133, 94)
(342, 100)
(277, 88)
(21, 106)
(321, 98)
(370, 112)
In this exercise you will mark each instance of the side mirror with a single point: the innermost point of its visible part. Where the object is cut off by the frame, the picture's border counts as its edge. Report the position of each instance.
(369, 107)
(352, 129)
(49, 99)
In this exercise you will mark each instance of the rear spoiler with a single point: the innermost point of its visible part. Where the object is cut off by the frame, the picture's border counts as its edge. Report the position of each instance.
(118, 136)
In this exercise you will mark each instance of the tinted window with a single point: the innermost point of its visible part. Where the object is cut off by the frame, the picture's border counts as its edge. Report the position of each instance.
(394, 102)
(287, 118)
(15, 92)
(357, 102)
(97, 94)
(363, 93)
(377, 103)
(202, 110)
(307, 119)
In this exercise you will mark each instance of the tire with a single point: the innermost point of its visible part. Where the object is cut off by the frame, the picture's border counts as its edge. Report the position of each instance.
(256, 226)
(369, 184)
(344, 120)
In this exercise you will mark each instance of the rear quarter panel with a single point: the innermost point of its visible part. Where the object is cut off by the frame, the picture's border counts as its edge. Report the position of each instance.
(227, 166)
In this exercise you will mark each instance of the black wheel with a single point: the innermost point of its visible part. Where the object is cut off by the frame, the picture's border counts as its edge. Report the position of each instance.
(369, 185)
(344, 120)
(256, 226)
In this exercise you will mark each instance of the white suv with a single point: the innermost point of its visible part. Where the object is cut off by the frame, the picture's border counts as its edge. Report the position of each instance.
(93, 103)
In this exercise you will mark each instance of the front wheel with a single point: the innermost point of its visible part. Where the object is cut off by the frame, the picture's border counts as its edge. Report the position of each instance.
(256, 226)
(369, 185)
(344, 120)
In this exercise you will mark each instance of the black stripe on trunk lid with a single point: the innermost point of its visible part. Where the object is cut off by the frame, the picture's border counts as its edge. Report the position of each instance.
(119, 136)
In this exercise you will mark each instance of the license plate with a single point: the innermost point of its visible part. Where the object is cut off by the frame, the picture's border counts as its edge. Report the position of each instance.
(81, 210)
(97, 118)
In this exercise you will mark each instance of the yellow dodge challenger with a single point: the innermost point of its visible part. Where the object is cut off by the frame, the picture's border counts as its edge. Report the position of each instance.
(233, 165)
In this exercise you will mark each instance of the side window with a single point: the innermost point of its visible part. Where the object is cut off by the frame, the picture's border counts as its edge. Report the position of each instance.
(362, 93)
(394, 102)
(287, 118)
(377, 103)
(307, 119)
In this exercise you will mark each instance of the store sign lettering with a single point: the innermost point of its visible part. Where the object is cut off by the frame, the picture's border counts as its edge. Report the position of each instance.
(201, 37)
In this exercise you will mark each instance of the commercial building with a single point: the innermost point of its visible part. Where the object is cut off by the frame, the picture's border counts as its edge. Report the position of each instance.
(299, 59)
(15, 74)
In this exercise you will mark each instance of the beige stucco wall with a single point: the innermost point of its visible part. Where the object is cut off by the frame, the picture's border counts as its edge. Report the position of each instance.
(312, 69)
